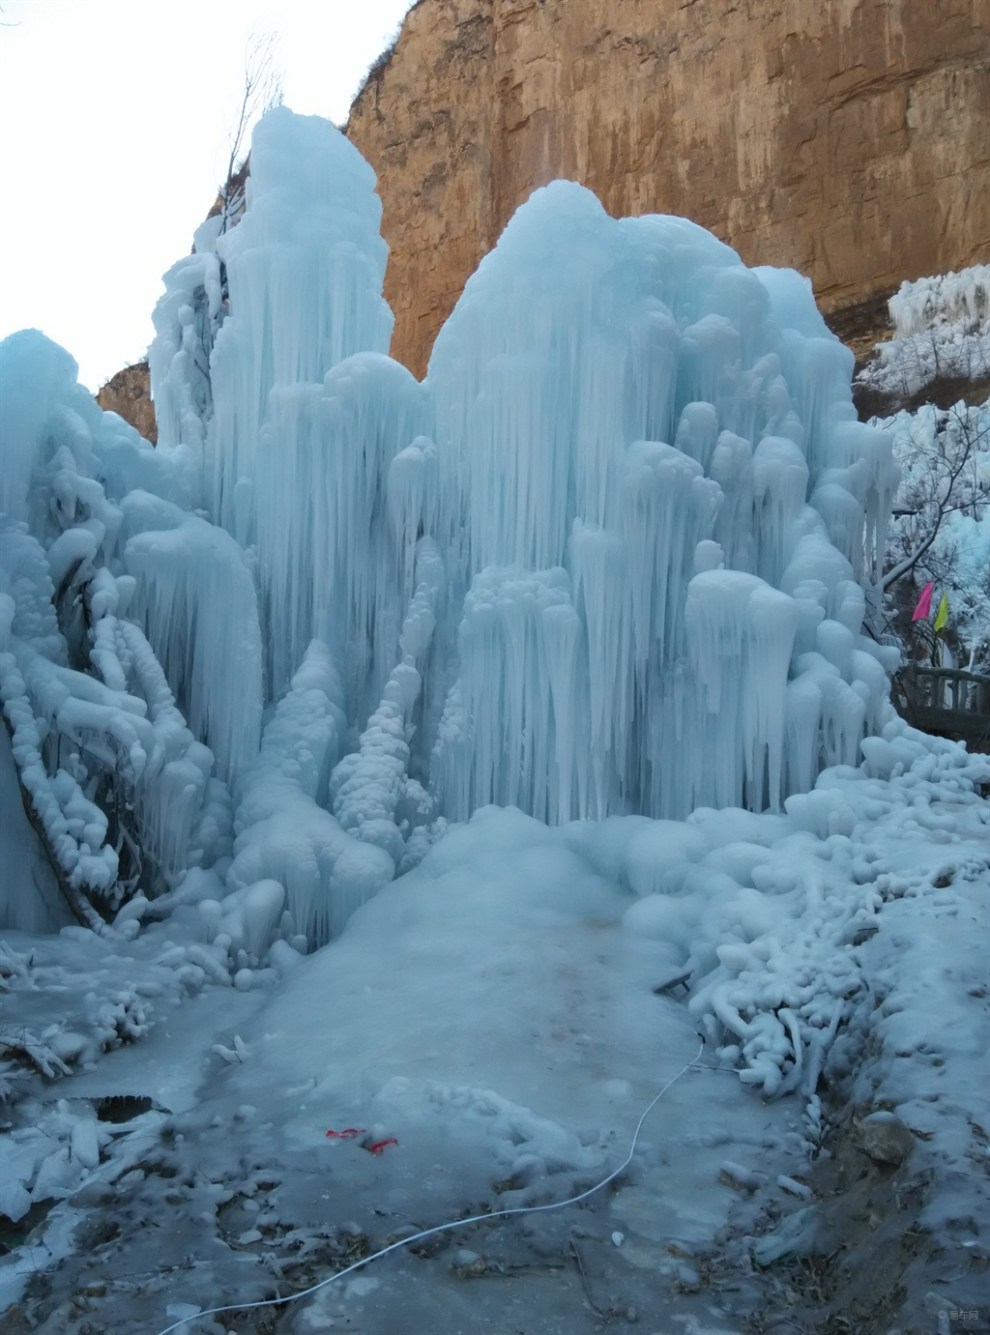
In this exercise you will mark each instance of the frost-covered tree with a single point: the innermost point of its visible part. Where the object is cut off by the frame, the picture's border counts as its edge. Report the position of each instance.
(940, 343)
(113, 778)
(943, 455)
(940, 531)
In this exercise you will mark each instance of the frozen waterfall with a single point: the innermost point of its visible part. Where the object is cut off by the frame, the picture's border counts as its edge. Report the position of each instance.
(619, 422)
(610, 556)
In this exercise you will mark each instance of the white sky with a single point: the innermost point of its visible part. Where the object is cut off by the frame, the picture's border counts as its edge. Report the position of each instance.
(115, 127)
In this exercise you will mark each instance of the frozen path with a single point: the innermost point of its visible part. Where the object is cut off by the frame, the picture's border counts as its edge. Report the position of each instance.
(489, 1022)
(491, 1014)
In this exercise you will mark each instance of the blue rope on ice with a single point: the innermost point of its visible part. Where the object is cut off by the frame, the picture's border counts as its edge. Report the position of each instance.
(453, 1223)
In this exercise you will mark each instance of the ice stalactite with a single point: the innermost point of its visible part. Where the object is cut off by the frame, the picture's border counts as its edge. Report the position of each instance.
(328, 500)
(861, 468)
(187, 320)
(75, 828)
(518, 646)
(196, 600)
(120, 787)
(182, 810)
(613, 408)
(740, 637)
(780, 484)
(115, 736)
(33, 371)
(961, 298)
(560, 353)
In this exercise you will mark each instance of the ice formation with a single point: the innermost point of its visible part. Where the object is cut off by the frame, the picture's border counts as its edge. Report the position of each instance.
(637, 440)
(609, 557)
(954, 298)
(941, 332)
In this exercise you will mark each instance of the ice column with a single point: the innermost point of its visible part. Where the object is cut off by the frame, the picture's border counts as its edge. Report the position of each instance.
(620, 406)
(304, 269)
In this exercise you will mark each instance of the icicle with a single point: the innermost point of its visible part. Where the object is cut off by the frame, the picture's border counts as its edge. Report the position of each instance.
(197, 602)
(327, 501)
(740, 636)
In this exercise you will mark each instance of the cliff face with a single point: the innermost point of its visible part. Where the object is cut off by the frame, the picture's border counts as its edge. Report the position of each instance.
(128, 394)
(850, 140)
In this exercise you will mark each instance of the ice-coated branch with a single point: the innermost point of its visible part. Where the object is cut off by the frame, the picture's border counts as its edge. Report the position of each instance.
(262, 90)
(942, 498)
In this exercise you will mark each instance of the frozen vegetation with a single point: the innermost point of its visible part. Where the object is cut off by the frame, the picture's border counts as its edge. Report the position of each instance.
(940, 530)
(438, 763)
(944, 497)
(941, 332)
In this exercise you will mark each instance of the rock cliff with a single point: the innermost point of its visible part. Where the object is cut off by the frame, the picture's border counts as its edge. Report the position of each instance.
(850, 140)
(127, 393)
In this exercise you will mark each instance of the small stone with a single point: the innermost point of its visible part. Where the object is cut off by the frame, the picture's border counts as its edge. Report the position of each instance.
(688, 1280)
(885, 1138)
(468, 1264)
(618, 1238)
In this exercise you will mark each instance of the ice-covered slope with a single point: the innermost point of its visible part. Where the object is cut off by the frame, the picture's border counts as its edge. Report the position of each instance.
(485, 1034)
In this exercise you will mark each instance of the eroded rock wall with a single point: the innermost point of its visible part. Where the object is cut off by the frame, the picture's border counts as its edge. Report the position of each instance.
(128, 394)
(847, 138)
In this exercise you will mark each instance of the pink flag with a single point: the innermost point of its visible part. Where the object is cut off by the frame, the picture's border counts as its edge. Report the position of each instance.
(923, 610)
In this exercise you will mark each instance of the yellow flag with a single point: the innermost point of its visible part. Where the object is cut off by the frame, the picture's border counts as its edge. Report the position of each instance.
(943, 612)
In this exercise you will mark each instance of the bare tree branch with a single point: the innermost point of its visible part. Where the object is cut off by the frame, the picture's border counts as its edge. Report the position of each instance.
(262, 91)
(945, 465)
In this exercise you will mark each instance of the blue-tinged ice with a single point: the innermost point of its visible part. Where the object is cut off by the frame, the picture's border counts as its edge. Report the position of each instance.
(613, 555)
(615, 403)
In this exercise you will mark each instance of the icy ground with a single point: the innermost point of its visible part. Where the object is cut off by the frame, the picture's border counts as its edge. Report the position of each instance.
(488, 1030)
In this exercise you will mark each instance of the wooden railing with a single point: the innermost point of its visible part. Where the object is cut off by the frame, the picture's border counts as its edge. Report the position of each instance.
(946, 701)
